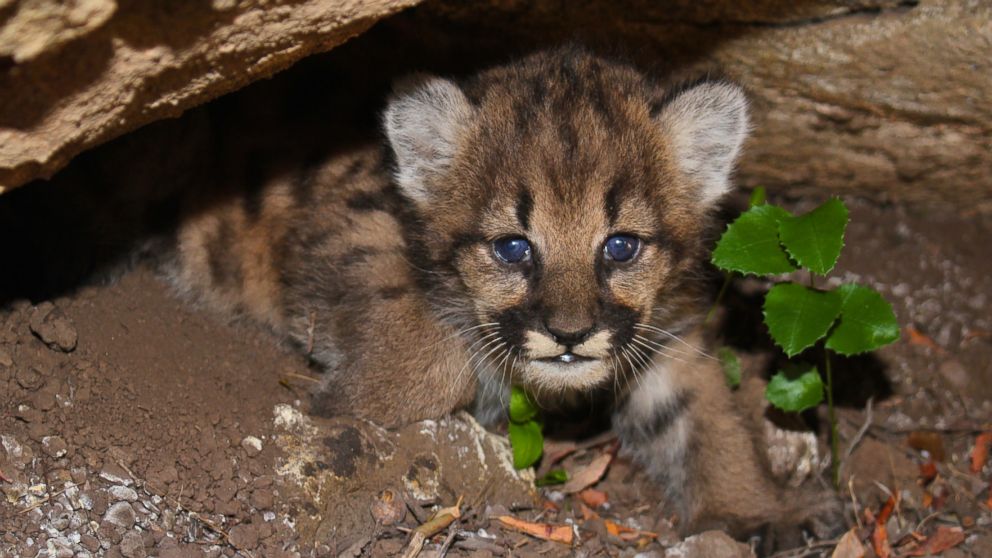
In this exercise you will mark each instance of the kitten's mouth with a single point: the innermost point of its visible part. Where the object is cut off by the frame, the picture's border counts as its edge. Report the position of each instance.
(566, 358)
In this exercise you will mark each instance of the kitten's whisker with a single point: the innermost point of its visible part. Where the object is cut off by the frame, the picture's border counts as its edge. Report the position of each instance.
(660, 351)
(694, 348)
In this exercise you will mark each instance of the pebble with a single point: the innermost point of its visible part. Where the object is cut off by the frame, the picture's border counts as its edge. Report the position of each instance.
(120, 492)
(120, 514)
(5, 359)
(251, 445)
(244, 536)
(53, 328)
(133, 546)
(54, 446)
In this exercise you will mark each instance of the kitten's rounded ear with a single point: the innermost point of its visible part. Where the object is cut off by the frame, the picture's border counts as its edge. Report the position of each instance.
(425, 119)
(707, 123)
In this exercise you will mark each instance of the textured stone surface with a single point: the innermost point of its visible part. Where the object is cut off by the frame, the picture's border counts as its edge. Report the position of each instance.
(75, 74)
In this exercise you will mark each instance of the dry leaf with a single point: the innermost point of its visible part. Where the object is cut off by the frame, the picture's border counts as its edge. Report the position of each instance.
(917, 337)
(593, 498)
(943, 539)
(587, 513)
(545, 531)
(880, 536)
(589, 475)
(928, 472)
(626, 533)
(980, 454)
(849, 546)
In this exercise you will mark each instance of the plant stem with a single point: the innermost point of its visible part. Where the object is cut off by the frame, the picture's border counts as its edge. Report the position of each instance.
(727, 278)
(834, 442)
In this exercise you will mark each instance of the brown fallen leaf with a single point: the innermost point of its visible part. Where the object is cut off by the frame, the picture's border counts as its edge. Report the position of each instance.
(593, 498)
(557, 533)
(943, 539)
(589, 475)
(587, 513)
(5, 478)
(627, 533)
(917, 337)
(980, 453)
(928, 472)
(880, 536)
(930, 442)
(849, 546)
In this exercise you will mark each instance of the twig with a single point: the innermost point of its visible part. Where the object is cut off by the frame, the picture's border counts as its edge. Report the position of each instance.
(301, 377)
(869, 418)
(452, 531)
(431, 527)
(42, 502)
(854, 502)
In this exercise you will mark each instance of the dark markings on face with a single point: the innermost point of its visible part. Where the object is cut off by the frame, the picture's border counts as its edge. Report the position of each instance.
(611, 203)
(525, 205)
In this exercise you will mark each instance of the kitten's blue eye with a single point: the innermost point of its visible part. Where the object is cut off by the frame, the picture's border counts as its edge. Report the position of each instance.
(621, 248)
(512, 250)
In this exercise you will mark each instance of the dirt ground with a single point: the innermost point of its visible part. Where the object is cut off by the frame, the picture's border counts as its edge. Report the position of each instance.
(135, 425)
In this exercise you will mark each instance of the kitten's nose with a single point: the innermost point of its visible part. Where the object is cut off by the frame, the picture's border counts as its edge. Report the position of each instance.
(568, 336)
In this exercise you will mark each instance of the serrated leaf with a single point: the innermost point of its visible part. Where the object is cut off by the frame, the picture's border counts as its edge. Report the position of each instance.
(815, 239)
(554, 476)
(758, 196)
(527, 443)
(751, 245)
(867, 321)
(797, 316)
(731, 366)
(522, 408)
(795, 389)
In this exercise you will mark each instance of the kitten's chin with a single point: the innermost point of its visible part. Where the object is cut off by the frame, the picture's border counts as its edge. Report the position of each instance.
(558, 376)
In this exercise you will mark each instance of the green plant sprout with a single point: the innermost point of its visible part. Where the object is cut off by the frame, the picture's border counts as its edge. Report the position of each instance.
(767, 240)
(525, 429)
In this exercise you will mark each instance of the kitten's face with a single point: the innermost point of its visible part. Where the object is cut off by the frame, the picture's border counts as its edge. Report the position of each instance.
(566, 202)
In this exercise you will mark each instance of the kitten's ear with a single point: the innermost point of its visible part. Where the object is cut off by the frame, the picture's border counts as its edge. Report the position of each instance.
(425, 119)
(707, 123)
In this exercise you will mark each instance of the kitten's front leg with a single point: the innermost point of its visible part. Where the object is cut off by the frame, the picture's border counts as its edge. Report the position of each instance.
(680, 423)
(394, 365)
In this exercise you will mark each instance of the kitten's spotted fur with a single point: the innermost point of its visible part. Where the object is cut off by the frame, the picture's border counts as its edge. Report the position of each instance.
(381, 263)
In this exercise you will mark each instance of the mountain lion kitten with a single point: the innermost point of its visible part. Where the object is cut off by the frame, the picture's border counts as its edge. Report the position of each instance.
(541, 224)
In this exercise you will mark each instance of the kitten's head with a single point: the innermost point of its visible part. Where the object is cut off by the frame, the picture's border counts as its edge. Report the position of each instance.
(563, 201)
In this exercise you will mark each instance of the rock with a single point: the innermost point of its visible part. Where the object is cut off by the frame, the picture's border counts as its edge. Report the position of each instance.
(126, 68)
(5, 359)
(710, 544)
(353, 461)
(54, 446)
(244, 536)
(251, 445)
(120, 514)
(52, 327)
(124, 493)
(132, 545)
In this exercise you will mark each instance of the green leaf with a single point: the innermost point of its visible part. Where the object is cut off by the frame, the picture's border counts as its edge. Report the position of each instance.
(816, 238)
(758, 196)
(731, 366)
(795, 389)
(798, 316)
(527, 443)
(554, 476)
(867, 321)
(750, 244)
(522, 408)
